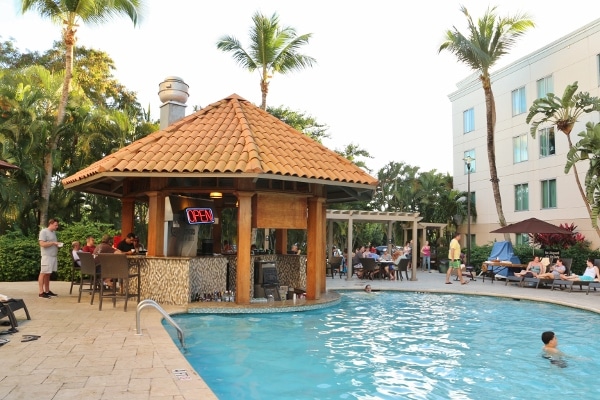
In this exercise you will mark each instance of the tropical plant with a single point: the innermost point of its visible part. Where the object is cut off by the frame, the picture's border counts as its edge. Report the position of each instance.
(588, 148)
(487, 41)
(564, 113)
(273, 48)
(70, 14)
(558, 240)
(28, 102)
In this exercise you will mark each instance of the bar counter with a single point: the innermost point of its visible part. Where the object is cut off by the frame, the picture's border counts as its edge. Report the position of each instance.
(179, 280)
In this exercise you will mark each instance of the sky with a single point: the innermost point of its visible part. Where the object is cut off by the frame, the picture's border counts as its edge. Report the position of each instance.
(379, 81)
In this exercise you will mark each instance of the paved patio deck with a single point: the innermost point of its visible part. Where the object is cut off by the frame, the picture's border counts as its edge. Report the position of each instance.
(84, 353)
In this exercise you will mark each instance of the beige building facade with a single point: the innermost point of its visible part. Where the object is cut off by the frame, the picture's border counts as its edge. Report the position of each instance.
(531, 170)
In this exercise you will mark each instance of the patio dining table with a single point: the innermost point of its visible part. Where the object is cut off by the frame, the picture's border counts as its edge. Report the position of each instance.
(499, 266)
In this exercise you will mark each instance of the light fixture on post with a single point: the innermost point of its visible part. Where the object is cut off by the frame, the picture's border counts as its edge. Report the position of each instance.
(468, 160)
(216, 195)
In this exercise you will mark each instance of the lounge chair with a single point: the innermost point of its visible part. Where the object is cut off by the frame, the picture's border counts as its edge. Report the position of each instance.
(537, 281)
(14, 305)
(521, 279)
(5, 312)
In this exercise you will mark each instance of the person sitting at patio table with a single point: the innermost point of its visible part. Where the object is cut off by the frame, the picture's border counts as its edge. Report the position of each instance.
(385, 256)
(534, 268)
(555, 272)
(356, 264)
(590, 274)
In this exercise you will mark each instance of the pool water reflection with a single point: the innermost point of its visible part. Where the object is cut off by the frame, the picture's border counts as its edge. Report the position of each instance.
(390, 345)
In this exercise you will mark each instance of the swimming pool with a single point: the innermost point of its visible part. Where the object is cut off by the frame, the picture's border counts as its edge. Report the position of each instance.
(390, 345)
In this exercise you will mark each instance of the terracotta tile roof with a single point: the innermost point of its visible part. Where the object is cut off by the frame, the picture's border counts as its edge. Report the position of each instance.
(229, 136)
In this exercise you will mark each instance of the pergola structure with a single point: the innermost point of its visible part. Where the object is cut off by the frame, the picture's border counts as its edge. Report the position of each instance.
(390, 218)
(351, 216)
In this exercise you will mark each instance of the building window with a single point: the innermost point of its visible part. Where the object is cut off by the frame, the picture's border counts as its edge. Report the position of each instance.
(469, 153)
(598, 67)
(522, 197)
(549, 193)
(522, 238)
(519, 103)
(469, 120)
(547, 145)
(520, 148)
(545, 86)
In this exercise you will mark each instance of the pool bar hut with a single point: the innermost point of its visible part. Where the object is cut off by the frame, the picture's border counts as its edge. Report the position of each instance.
(230, 154)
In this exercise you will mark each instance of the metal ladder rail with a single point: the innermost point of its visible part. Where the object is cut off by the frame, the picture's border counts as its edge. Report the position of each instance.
(151, 303)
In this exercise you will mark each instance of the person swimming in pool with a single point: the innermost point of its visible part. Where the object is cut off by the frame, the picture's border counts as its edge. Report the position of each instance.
(551, 351)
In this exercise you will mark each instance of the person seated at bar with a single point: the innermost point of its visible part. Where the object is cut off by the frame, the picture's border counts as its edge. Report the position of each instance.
(137, 245)
(295, 249)
(104, 246)
(227, 248)
(75, 246)
(90, 246)
(127, 246)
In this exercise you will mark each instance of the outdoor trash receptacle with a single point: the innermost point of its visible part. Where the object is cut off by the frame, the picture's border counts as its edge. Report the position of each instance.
(443, 266)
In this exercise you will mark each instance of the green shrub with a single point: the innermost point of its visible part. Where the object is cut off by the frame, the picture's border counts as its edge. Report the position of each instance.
(19, 258)
(20, 255)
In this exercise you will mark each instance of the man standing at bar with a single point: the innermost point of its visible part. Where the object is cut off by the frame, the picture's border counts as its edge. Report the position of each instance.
(49, 250)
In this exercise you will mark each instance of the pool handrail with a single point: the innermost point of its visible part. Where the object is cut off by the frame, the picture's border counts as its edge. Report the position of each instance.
(151, 303)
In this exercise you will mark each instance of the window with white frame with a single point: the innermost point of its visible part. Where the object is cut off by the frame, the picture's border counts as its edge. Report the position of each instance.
(522, 197)
(520, 148)
(469, 120)
(519, 102)
(545, 86)
(547, 143)
(471, 154)
(549, 193)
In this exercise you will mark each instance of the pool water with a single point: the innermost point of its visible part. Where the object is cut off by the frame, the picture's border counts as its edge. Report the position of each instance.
(397, 345)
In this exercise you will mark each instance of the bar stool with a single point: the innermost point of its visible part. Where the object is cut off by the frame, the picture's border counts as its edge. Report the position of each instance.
(116, 267)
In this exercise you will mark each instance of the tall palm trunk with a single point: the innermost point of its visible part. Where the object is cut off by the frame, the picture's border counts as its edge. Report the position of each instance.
(490, 114)
(69, 40)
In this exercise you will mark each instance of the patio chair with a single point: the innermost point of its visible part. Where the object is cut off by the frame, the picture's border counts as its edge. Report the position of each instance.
(75, 268)
(88, 269)
(335, 266)
(402, 266)
(370, 268)
(544, 282)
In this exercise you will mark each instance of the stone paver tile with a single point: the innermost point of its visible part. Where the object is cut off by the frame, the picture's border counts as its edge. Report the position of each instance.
(163, 387)
(44, 391)
(66, 393)
(140, 384)
(114, 379)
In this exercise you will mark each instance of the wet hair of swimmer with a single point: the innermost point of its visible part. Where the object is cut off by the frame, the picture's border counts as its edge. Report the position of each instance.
(547, 337)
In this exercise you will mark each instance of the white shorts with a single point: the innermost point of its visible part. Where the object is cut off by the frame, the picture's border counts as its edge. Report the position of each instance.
(49, 265)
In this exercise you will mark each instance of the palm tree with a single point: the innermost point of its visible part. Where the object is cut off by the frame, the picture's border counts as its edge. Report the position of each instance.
(69, 14)
(488, 40)
(564, 113)
(272, 49)
(588, 148)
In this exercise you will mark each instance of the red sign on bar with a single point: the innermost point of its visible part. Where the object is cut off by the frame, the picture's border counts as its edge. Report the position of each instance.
(202, 215)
